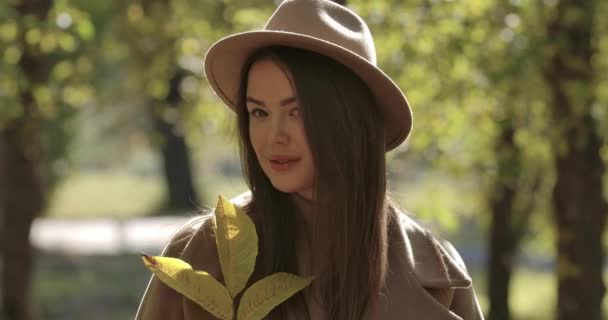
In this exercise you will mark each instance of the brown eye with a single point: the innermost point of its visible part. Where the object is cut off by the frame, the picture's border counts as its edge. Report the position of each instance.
(258, 113)
(295, 112)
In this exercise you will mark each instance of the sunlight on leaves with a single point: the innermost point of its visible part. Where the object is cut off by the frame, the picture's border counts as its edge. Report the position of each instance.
(237, 245)
(198, 286)
(264, 295)
(236, 241)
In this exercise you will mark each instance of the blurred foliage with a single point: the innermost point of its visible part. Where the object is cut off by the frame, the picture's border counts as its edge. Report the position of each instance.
(61, 86)
(466, 67)
(469, 67)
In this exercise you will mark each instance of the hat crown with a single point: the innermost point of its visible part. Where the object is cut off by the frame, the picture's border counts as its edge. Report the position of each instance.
(325, 20)
(322, 27)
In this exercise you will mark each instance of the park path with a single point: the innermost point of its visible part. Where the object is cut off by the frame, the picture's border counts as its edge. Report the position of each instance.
(104, 235)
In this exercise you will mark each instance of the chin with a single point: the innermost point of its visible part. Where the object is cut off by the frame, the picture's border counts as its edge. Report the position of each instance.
(287, 187)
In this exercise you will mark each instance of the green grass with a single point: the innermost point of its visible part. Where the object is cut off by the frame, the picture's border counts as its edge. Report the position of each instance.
(532, 296)
(105, 194)
(77, 287)
(122, 194)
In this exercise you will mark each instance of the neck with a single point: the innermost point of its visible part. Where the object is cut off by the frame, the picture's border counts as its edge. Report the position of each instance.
(305, 219)
(306, 208)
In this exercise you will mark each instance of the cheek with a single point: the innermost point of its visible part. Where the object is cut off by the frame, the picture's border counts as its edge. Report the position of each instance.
(303, 141)
(310, 171)
(309, 168)
(255, 137)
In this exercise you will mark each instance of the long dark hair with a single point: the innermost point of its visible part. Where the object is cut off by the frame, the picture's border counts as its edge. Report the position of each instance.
(345, 131)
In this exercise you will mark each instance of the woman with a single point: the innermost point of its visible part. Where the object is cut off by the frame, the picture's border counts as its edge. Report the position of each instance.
(315, 118)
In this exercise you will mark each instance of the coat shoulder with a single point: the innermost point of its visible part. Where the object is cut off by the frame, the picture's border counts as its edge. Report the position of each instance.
(436, 263)
(180, 239)
(198, 231)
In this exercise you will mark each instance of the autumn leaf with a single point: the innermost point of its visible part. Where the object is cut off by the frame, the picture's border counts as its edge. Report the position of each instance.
(237, 245)
(198, 286)
(264, 295)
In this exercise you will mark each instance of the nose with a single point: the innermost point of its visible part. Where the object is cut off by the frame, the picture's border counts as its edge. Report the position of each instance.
(279, 133)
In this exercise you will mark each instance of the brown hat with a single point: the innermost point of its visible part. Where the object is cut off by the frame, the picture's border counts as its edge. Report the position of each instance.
(326, 28)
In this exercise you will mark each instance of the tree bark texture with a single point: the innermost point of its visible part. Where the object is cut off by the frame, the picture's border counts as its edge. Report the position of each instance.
(175, 153)
(22, 199)
(22, 177)
(503, 241)
(579, 206)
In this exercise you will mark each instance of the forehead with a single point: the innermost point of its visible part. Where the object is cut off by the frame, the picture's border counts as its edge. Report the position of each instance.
(269, 80)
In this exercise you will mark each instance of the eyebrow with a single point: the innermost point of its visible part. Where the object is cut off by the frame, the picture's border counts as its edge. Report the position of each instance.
(284, 102)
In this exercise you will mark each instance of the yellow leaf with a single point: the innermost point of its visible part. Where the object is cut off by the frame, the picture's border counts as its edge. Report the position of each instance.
(259, 299)
(237, 245)
(198, 286)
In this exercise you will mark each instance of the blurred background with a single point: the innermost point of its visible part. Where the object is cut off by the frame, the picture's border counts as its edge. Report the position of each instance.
(110, 138)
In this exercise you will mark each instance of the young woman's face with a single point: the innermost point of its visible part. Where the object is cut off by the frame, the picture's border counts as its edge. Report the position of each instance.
(276, 129)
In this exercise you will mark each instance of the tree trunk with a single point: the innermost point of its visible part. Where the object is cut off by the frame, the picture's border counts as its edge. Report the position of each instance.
(22, 199)
(175, 153)
(579, 207)
(502, 254)
(503, 239)
(165, 113)
(580, 214)
(2, 215)
(22, 183)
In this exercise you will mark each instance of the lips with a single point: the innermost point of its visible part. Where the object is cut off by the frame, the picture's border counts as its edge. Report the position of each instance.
(281, 159)
(283, 163)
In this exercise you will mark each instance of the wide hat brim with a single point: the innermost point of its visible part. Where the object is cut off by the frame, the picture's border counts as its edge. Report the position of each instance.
(225, 60)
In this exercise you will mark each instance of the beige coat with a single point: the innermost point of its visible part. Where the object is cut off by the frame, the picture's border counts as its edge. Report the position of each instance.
(418, 286)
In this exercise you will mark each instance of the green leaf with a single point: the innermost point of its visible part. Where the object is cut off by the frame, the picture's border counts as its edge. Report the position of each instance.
(198, 286)
(259, 299)
(237, 245)
(85, 29)
(236, 241)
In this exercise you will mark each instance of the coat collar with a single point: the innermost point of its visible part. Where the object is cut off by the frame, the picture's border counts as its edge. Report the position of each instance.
(421, 278)
(434, 262)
